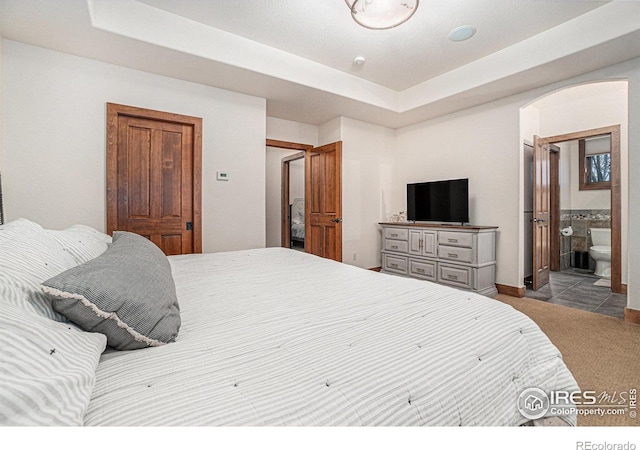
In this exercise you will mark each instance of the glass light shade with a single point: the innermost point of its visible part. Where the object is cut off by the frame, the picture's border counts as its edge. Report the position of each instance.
(382, 14)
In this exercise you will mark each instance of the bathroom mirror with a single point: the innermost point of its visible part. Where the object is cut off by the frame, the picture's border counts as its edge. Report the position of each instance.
(595, 162)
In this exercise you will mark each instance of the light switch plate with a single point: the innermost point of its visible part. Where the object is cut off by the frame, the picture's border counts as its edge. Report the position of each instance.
(222, 175)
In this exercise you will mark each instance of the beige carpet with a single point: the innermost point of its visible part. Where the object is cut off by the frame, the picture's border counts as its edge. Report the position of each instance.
(602, 352)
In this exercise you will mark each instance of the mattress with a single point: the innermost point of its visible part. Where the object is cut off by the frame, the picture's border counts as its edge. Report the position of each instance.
(273, 337)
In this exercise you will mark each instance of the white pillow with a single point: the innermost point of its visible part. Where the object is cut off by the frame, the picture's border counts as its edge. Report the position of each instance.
(82, 242)
(28, 256)
(47, 369)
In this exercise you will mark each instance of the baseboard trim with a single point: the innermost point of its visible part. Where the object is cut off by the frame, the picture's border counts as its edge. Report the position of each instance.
(376, 269)
(511, 291)
(623, 289)
(632, 315)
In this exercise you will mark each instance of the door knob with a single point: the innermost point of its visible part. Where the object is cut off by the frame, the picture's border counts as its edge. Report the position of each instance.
(337, 220)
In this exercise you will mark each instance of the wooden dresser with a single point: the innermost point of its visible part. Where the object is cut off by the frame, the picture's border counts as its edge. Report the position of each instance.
(455, 255)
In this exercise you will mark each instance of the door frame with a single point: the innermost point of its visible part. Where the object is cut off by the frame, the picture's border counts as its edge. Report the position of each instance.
(554, 207)
(616, 200)
(286, 183)
(307, 149)
(114, 111)
(285, 231)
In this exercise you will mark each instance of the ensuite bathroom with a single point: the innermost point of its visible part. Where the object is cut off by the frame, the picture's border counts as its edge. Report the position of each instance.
(581, 275)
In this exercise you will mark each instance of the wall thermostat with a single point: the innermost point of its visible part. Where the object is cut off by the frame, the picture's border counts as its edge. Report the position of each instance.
(223, 175)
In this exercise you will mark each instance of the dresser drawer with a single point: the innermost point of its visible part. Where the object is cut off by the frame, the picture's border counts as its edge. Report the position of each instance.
(461, 254)
(455, 276)
(396, 264)
(455, 238)
(396, 233)
(394, 245)
(423, 269)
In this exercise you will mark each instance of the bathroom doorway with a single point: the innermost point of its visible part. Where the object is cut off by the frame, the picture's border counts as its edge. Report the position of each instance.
(567, 119)
(583, 272)
(569, 235)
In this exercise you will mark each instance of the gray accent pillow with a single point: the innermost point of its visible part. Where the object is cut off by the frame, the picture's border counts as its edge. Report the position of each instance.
(127, 294)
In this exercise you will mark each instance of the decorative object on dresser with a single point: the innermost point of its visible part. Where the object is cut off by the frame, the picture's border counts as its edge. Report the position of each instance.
(455, 255)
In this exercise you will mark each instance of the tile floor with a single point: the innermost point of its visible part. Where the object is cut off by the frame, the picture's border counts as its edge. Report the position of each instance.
(577, 290)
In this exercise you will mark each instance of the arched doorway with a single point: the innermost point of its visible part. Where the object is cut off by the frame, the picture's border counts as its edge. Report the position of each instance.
(565, 117)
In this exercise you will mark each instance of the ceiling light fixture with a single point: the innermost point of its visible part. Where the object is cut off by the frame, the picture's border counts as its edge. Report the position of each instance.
(462, 33)
(382, 14)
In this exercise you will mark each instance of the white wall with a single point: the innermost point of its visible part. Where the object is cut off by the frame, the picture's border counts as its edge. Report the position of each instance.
(482, 144)
(565, 174)
(330, 132)
(290, 131)
(55, 142)
(633, 75)
(296, 179)
(367, 185)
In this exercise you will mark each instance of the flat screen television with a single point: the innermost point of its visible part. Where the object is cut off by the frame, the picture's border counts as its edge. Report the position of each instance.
(438, 201)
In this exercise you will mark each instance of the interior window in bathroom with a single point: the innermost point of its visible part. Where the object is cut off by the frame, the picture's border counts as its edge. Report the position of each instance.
(595, 163)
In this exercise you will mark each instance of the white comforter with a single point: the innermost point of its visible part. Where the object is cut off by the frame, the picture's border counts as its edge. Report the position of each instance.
(279, 337)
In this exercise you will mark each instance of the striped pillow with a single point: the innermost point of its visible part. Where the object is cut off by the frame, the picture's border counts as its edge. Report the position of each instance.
(28, 256)
(47, 369)
(82, 242)
(127, 293)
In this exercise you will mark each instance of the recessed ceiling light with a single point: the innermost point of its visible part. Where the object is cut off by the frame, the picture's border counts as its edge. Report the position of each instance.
(462, 33)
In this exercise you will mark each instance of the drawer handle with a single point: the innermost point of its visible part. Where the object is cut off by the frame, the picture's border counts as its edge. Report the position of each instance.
(394, 234)
(452, 277)
(393, 265)
(394, 246)
(452, 240)
(452, 255)
(420, 270)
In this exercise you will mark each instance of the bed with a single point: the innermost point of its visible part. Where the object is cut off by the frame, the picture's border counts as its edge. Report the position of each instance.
(267, 337)
(296, 215)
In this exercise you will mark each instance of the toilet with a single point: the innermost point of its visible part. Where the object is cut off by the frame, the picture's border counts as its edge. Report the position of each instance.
(600, 251)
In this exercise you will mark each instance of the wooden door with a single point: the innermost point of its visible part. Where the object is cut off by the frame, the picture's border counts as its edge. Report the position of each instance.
(541, 212)
(153, 177)
(323, 201)
(285, 200)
